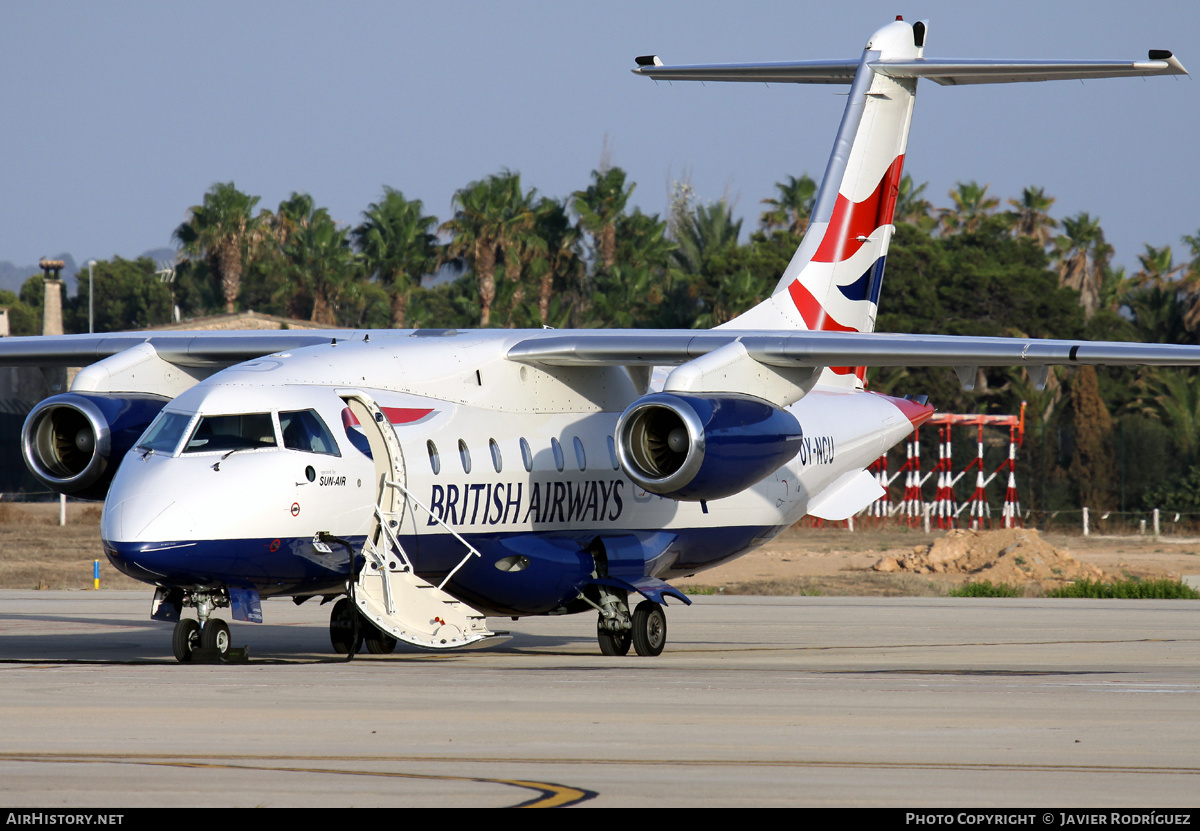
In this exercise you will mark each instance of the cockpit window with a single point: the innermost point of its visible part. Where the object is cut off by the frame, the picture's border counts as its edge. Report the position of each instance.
(164, 434)
(304, 430)
(232, 432)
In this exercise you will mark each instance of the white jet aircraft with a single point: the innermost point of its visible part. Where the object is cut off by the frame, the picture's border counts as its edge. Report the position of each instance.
(428, 479)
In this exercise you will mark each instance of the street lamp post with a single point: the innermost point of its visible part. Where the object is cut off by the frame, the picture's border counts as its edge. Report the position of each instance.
(91, 292)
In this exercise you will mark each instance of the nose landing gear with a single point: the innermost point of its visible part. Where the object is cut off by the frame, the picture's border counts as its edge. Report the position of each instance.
(207, 638)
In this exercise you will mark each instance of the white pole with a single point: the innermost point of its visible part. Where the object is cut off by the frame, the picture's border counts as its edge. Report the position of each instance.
(1156, 528)
(62, 509)
(1085, 520)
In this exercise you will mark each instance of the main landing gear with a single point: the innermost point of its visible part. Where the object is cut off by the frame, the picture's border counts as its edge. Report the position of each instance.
(349, 632)
(616, 629)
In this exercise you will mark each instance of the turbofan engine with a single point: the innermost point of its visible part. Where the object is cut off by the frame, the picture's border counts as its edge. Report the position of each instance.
(698, 447)
(74, 442)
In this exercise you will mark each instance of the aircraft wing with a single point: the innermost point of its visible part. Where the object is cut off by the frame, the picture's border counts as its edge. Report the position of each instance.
(948, 72)
(180, 348)
(821, 349)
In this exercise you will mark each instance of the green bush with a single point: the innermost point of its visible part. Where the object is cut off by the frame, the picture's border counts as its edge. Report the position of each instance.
(986, 588)
(1131, 589)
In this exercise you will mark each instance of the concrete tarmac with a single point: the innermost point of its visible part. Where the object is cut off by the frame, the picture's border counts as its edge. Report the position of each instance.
(800, 701)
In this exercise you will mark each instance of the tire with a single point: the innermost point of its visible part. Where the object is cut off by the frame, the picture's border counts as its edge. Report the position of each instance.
(612, 643)
(649, 629)
(184, 639)
(342, 622)
(379, 643)
(215, 635)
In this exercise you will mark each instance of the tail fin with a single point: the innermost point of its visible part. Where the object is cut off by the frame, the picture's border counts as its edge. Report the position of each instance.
(833, 280)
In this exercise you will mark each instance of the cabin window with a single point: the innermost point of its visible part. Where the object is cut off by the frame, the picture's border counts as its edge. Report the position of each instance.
(164, 434)
(435, 461)
(465, 455)
(559, 462)
(304, 430)
(497, 462)
(580, 456)
(612, 454)
(526, 455)
(226, 433)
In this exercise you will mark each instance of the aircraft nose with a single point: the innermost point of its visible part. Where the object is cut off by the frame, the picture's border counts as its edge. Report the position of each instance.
(147, 517)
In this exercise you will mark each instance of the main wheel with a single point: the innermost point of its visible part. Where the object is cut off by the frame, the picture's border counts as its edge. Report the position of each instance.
(185, 638)
(649, 628)
(215, 635)
(342, 622)
(612, 643)
(379, 643)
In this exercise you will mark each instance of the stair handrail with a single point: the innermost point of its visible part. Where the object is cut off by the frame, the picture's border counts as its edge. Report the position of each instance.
(471, 551)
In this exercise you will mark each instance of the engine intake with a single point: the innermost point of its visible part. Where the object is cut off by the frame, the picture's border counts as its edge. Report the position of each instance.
(699, 447)
(74, 442)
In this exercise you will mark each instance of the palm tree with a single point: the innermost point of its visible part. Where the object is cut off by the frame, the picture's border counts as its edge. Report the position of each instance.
(1191, 282)
(1158, 267)
(562, 262)
(319, 260)
(1173, 397)
(1158, 313)
(598, 208)
(489, 215)
(911, 207)
(222, 230)
(702, 231)
(794, 206)
(1031, 218)
(1082, 256)
(398, 247)
(972, 206)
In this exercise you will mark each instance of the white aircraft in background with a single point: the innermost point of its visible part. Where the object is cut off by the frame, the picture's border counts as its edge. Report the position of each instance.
(431, 478)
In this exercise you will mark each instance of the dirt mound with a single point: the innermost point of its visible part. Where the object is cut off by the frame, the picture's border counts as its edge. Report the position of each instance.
(1015, 556)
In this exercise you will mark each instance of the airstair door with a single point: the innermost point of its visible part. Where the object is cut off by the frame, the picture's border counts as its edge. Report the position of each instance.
(387, 591)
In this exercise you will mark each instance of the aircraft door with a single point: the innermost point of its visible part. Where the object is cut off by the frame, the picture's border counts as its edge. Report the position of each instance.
(390, 477)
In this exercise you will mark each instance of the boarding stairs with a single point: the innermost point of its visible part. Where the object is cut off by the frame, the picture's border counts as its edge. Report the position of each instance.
(387, 592)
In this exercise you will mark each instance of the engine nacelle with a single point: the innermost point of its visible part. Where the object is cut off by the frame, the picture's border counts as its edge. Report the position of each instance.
(74, 442)
(698, 447)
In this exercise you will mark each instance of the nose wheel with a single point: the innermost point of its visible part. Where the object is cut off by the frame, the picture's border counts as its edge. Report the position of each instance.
(189, 638)
(185, 639)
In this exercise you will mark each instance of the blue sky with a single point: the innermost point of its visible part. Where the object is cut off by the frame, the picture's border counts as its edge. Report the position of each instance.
(120, 115)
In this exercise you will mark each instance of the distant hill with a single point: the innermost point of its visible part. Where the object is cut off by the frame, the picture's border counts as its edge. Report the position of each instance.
(12, 277)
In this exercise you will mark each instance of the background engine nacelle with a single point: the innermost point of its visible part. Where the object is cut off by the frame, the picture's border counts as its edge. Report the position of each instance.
(698, 447)
(74, 442)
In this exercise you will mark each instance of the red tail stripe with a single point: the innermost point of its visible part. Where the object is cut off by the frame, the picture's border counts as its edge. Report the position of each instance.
(851, 220)
(396, 415)
(814, 314)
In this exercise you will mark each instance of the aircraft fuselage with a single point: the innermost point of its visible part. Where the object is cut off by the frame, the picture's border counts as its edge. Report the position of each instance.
(520, 460)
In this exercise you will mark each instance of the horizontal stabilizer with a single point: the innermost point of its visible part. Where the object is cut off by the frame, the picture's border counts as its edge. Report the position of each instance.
(788, 72)
(954, 72)
(945, 71)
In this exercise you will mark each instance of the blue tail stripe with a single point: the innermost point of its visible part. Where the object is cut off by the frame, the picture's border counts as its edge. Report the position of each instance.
(867, 286)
